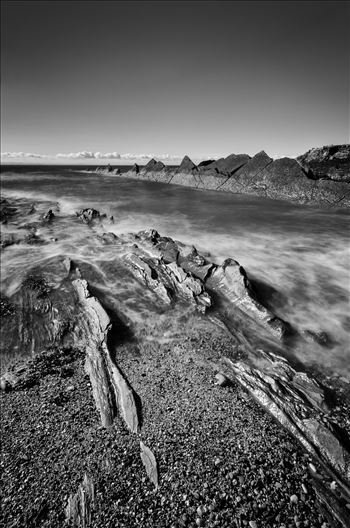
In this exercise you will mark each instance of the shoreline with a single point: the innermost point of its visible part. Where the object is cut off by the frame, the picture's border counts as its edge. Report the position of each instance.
(188, 379)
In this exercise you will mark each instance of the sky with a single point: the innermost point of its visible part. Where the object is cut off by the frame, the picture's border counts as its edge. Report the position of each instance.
(125, 81)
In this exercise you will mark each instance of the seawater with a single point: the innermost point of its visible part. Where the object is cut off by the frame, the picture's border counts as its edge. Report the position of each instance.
(301, 251)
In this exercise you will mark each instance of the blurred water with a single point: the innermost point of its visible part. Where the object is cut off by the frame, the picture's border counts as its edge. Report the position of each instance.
(302, 251)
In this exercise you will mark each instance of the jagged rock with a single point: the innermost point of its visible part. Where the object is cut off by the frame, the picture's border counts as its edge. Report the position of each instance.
(284, 178)
(168, 281)
(187, 165)
(88, 215)
(92, 335)
(49, 216)
(108, 238)
(150, 463)
(332, 162)
(81, 504)
(298, 402)
(205, 163)
(154, 166)
(124, 395)
(135, 168)
(231, 163)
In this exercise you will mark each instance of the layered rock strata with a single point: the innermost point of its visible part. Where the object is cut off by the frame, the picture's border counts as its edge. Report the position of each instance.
(321, 176)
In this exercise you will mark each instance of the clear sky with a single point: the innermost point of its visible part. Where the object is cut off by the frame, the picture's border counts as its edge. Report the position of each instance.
(203, 78)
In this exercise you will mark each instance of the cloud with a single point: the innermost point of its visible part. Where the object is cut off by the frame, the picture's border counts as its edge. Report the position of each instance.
(22, 155)
(88, 155)
(77, 155)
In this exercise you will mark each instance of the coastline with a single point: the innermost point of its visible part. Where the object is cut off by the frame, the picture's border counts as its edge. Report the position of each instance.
(187, 381)
(319, 177)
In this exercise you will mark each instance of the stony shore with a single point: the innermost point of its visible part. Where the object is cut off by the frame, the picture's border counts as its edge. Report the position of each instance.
(186, 414)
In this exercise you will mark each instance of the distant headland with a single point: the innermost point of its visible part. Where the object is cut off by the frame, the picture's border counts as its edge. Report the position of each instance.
(321, 176)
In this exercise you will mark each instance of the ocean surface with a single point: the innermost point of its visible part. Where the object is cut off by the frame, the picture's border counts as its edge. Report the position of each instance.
(301, 251)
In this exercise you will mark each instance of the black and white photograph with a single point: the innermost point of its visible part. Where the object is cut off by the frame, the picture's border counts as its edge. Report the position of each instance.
(175, 264)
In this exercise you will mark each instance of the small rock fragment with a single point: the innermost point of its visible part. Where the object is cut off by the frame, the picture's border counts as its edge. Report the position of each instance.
(293, 499)
(221, 380)
(150, 463)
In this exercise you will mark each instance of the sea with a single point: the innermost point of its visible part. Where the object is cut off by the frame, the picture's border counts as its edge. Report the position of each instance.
(300, 251)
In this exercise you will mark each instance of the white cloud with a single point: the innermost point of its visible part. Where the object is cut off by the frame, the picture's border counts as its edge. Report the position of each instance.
(77, 155)
(22, 155)
(88, 155)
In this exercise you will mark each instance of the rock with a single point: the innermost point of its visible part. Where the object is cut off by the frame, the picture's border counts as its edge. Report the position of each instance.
(49, 216)
(331, 162)
(297, 406)
(80, 505)
(89, 215)
(135, 168)
(154, 166)
(222, 380)
(150, 463)
(293, 499)
(187, 165)
(231, 164)
(108, 238)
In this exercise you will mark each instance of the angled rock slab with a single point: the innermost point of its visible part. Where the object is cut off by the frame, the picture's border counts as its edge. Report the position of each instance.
(150, 463)
(300, 407)
(80, 505)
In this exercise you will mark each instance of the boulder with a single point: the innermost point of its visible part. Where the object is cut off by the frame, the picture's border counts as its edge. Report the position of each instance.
(88, 215)
(330, 162)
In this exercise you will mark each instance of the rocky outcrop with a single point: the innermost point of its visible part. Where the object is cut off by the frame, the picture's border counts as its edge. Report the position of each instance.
(321, 176)
(176, 271)
(89, 215)
(154, 166)
(330, 162)
(135, 168)
(81, 504)
(187, 165)
(298, 402)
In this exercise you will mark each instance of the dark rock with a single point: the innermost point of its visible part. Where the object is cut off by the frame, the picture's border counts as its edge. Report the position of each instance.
(230, 164)
(135, 168)
(187, 165)
(331, 162)
(205, 163)
(154, 166)
(88, 215)
(108, 238)
(49, 216)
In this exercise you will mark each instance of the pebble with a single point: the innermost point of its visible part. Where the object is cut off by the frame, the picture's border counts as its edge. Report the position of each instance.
(333, 485)
(312, 467)
(293, 499)
(221, 380)
(253, 524)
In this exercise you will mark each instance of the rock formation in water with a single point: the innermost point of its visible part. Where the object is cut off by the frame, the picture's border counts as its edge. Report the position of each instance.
(321, 176)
